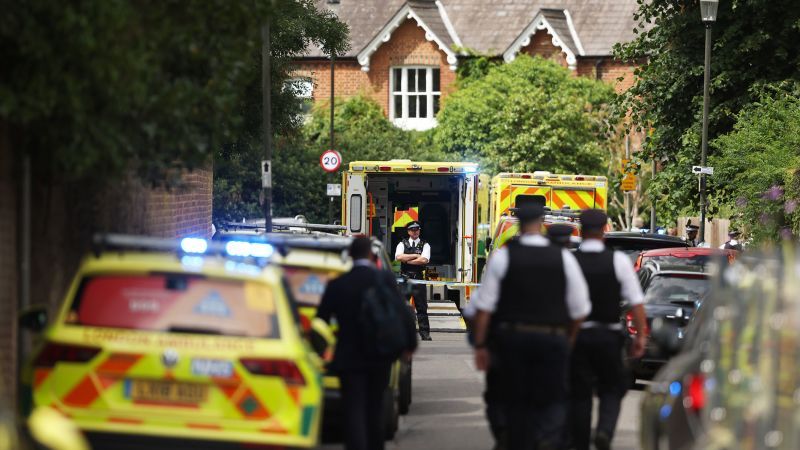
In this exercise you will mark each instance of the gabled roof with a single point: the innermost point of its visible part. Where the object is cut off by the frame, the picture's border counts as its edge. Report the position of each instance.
(558, 24)
(430, 16)
(491, 27)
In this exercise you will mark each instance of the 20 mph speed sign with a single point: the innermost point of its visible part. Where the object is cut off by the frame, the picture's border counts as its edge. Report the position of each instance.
(330, 161)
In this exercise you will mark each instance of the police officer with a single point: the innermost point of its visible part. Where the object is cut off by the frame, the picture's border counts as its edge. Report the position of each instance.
(597, 362)
(532, 300)
(560, 234)
(691, 234)
(414, 254)
(732, 242)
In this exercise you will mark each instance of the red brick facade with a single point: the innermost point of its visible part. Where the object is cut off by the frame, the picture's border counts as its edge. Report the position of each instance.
(184, 211)
(407, 47)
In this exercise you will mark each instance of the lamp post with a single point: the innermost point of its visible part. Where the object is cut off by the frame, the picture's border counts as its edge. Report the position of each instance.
(708, 14)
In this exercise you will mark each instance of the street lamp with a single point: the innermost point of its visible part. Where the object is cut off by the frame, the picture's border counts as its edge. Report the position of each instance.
(708, 14)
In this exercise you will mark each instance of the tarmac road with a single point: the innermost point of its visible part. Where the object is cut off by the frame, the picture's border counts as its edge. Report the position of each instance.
(447, 409)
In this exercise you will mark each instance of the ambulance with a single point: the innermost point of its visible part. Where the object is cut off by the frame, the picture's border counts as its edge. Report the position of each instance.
(382, 197)
(564, 195)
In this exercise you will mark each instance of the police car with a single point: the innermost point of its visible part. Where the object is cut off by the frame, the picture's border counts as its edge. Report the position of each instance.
(174, 343)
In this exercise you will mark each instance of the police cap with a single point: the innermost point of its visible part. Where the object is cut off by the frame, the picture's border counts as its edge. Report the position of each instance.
(691, 227)
(413, 225)
(593, 219)
(529, 213)
(560, 233)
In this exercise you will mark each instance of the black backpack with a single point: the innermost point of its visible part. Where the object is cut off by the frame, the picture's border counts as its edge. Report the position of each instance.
(384, 320)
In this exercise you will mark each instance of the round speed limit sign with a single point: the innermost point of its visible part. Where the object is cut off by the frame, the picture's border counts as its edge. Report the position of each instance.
(330, 161)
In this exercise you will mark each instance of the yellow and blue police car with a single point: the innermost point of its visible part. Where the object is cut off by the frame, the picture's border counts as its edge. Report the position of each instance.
(177, 343)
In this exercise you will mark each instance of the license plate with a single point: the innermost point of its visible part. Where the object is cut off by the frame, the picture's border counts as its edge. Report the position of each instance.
(160, 391)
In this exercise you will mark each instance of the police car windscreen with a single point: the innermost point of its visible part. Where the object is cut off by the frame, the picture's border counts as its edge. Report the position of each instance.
(676, 289)
(308, 284)
(176, 303)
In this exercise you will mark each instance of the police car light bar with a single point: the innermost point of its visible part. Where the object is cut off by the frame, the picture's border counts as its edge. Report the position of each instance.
(189, 245)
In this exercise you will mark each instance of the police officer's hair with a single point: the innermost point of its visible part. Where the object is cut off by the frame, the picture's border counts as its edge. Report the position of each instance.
(361, 248)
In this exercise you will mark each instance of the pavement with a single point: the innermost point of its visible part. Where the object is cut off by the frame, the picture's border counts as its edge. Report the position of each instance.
(447, 410)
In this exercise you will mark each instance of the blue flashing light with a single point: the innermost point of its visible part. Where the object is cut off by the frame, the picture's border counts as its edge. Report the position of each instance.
(237, 248)
(194, 245)
(472, 169)
(675, 388)
(261, 250)
(192, 261)
(665, 411)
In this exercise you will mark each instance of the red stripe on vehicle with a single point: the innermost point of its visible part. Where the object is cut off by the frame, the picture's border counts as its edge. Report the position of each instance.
(39, 375)
(126, 420)
(84, 394)
(119, 363)
(204, 426)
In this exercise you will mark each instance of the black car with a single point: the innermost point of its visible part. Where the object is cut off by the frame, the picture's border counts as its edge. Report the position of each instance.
(671, 295)
(632, 243)
(733, 381)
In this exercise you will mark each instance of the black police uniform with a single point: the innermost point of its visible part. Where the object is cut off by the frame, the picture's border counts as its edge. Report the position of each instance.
(529, 346)
(597, 355)
(596, 360)
(420, 292)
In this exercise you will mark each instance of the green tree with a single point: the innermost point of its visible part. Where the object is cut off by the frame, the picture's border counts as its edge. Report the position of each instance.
(362, 132)
(754, 44)
(531, 114)
(758, 165)
(98, 87)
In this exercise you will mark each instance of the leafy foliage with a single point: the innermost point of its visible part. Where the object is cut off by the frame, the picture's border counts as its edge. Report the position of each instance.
(754, 44)
(531, 114)
(99, 87)
(362, 132)
(759, 165)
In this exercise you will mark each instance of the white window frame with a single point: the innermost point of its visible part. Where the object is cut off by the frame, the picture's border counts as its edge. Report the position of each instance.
(402, 120)
(303, 88)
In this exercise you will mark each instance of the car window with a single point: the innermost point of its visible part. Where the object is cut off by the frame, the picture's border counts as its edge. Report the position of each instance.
(176, 303)
(676, 289)
(308, 284)
(694, 261)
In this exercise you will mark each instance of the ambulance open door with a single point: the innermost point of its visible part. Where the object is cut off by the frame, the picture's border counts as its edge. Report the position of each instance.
(356, 202)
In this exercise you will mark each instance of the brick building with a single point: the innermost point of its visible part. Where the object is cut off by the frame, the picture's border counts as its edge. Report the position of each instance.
(404, 53)
(63, 217)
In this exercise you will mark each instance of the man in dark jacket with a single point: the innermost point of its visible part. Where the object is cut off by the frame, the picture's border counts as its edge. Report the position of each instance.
(363, 379)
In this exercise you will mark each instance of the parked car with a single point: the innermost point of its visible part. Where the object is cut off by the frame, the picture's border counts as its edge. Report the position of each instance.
(310, 261)
(632, 243)
(180, 344)
(733, 381)
(692, 256)
(671, 294)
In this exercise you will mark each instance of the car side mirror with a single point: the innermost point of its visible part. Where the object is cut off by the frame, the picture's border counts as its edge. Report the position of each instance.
(34, 319)
(51, 429)
(666, 335)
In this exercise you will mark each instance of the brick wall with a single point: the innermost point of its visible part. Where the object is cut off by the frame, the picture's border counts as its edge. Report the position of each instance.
(542, 45)
(8, 264)
(182, 211)
(407, 46)
(609, 69)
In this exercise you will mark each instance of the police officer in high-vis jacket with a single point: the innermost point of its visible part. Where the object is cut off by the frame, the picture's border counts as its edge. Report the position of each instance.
(532, 300)
(596, 361)
(414, 254)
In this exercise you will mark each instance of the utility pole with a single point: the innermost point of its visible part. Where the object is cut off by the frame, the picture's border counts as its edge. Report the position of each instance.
(333, 58)
(266, 94)
(626, 193)
(653, 200)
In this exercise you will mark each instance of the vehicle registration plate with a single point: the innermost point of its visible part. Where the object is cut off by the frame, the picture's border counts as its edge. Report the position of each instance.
(162, 391)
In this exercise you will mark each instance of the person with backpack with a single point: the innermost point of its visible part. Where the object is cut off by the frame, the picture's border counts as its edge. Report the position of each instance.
(376, 327)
